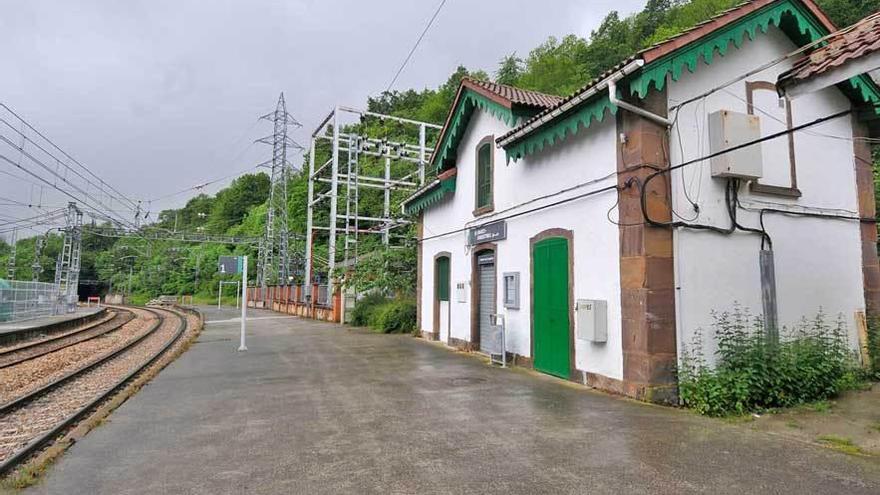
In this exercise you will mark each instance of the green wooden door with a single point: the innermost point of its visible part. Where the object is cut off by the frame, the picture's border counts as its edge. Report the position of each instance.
(551, 306)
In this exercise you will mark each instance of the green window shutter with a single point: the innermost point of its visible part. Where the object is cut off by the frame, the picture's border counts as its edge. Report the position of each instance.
(484, 176)
(442, 282)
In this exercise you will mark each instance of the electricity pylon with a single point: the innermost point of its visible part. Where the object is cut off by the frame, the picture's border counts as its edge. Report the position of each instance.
(273, 263)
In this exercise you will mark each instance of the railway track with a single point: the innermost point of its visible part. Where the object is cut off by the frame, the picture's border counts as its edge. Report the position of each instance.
(30, 421)
(40, 347)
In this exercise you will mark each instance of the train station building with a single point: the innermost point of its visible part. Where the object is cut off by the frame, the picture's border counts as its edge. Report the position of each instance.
(603, 229)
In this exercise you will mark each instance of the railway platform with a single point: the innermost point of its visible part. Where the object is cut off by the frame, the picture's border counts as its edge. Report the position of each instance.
(315, 407)
(48, 323)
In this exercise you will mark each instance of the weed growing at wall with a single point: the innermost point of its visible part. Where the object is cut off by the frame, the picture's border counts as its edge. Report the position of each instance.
(874, 347)
(385, 315)
(812, 361)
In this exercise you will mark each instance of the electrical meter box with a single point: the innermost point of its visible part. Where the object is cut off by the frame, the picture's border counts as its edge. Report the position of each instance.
(728, 129)
(592, 320)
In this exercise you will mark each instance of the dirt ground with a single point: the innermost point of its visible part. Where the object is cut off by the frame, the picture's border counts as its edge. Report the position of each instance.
(850, 424)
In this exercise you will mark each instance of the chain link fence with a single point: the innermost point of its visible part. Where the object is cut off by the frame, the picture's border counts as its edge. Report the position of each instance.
(20, 300)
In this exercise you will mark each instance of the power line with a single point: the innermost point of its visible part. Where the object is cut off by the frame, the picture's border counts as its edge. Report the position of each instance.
(74, 160)
(21, 150)
(203, 185)
(647, 179)
(418, 41)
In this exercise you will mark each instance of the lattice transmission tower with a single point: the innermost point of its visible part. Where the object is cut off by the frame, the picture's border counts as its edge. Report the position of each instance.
(274, 260)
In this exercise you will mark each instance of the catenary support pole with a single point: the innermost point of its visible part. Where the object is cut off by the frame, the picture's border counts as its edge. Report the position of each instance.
(244, 267)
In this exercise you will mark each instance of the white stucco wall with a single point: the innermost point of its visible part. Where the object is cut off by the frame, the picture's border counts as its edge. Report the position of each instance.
(588, 156)
(818, 261)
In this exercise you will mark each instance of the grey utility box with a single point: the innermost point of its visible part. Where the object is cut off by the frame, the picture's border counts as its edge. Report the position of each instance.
(592, 320)
(728, 129)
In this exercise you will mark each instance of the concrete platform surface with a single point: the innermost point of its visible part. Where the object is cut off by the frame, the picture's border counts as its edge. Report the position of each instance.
(43, 321)
(317, 408)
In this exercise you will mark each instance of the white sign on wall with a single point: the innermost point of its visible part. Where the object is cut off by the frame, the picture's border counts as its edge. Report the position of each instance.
(461, 292)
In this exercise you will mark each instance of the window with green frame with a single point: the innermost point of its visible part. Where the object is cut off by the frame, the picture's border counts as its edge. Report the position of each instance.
(484, 174)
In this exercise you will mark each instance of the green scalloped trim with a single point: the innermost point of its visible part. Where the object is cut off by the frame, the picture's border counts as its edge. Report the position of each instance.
(865, 87)
(687, 57)
(469, 101)
(430, 196)
(560, 128)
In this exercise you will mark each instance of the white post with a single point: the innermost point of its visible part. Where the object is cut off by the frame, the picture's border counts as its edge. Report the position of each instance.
(334, 185)
(244, 268)
(309, 214)
(386, 206)
(422, 155)
(219, 292)
(237, 292)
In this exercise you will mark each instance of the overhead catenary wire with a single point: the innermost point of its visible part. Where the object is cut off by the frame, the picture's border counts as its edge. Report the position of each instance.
(415, 46)
(63, 191)
(67, 155)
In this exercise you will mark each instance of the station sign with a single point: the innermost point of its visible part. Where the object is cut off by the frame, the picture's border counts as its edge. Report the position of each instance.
(495, 231)
(230, 265)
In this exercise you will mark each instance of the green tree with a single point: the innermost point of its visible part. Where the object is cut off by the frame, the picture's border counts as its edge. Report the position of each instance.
(509, 70)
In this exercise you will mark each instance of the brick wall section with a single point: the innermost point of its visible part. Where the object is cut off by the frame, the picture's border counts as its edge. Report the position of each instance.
(867, 209)
(646, 264)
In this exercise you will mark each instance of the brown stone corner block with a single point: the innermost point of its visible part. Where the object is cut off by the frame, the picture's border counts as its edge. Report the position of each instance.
(633, 272)
(629, 211)
(657, 207)
(871, 275)
(872, 301)
(659, 272)
(649, 369)
(632, 240)
(658, 242)
(633, 302)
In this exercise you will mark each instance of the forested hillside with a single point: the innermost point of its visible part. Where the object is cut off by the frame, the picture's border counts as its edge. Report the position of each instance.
(557, 66)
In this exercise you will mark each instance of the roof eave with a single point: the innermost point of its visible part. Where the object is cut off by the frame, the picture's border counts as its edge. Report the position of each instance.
(581, 97)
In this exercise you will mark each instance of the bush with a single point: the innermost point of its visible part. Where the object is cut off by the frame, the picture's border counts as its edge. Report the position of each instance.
(809, 363)
(385, 315)
(396, 316)
(364, 309)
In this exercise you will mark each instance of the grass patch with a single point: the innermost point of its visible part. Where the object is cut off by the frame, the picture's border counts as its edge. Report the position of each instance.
(793, 424)
(23, 477)
(840, 444)
(819, 406)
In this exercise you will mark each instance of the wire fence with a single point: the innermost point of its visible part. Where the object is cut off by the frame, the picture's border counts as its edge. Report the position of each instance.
(21, 300)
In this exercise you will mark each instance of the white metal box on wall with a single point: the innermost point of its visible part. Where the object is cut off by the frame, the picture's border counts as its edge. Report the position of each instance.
(592, 320)
(728, 129)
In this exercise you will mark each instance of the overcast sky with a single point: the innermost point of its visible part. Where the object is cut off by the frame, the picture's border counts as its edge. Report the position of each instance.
(160, 95)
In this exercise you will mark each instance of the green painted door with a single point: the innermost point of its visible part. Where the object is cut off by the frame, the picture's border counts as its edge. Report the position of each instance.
(551, 306)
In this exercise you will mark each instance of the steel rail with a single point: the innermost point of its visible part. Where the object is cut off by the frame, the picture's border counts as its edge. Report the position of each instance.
(38, 442)
(113, 323)
(21, 401)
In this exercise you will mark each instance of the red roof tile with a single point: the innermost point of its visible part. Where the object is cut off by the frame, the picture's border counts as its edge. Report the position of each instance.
(858, 40)
(673, 43)
(515, 95)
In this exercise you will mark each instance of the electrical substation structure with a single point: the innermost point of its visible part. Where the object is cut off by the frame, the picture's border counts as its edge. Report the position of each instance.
(274, 260)
(359, 159)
